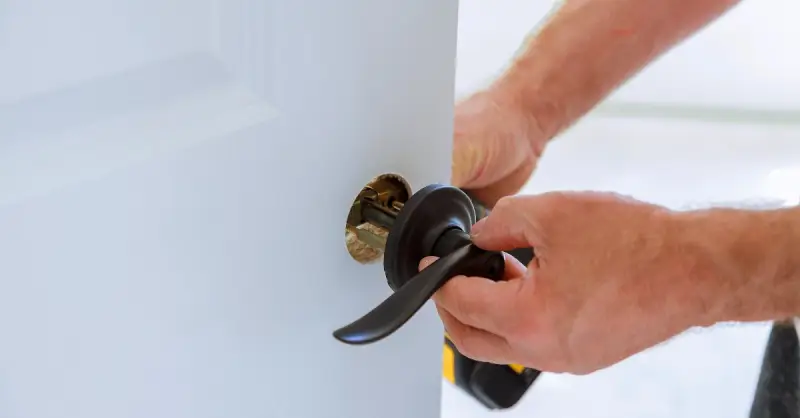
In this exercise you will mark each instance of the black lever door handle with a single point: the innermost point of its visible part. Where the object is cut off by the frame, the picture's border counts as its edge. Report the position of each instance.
(398, 308)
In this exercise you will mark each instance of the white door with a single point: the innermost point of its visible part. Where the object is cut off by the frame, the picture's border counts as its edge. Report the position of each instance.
(175, 176)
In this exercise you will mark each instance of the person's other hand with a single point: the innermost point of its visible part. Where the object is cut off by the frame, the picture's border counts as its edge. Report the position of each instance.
(611, 278)
(496, 144)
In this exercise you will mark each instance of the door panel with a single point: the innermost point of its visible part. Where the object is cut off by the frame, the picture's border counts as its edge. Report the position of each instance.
(174, 182)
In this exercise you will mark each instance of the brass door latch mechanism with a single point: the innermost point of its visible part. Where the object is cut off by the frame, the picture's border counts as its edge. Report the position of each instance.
(434, 221)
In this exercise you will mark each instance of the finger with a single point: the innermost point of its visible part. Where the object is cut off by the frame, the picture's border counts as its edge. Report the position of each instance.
(474, 343)
(508, 226)
(482, 303)
(505, 186)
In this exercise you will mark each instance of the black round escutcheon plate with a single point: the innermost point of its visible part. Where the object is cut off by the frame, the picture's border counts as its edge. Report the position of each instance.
(424, 218)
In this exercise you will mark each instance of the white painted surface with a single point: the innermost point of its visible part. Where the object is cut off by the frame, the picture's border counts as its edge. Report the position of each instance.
(746, 59)
(174, 180)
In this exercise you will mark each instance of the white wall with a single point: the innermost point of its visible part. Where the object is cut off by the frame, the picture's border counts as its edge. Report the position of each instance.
(738, 63)
(748, 58)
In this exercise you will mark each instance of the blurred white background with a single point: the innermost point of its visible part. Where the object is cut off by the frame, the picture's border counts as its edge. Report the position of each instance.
(715, 120)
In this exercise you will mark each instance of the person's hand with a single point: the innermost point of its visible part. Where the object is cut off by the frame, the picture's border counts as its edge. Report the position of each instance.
(496, 144)
(611, 278)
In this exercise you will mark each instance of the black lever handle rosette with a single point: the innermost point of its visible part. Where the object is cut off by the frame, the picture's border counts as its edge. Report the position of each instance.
(426, 219)
(435, 221)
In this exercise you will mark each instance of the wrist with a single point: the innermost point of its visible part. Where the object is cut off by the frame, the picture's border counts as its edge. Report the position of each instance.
(743, 263)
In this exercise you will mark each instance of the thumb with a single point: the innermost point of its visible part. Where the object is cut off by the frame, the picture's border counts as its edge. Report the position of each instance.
(508, 226)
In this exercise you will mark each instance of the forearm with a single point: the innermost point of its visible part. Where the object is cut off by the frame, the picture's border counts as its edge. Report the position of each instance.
(747, 263)
(589, 47)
